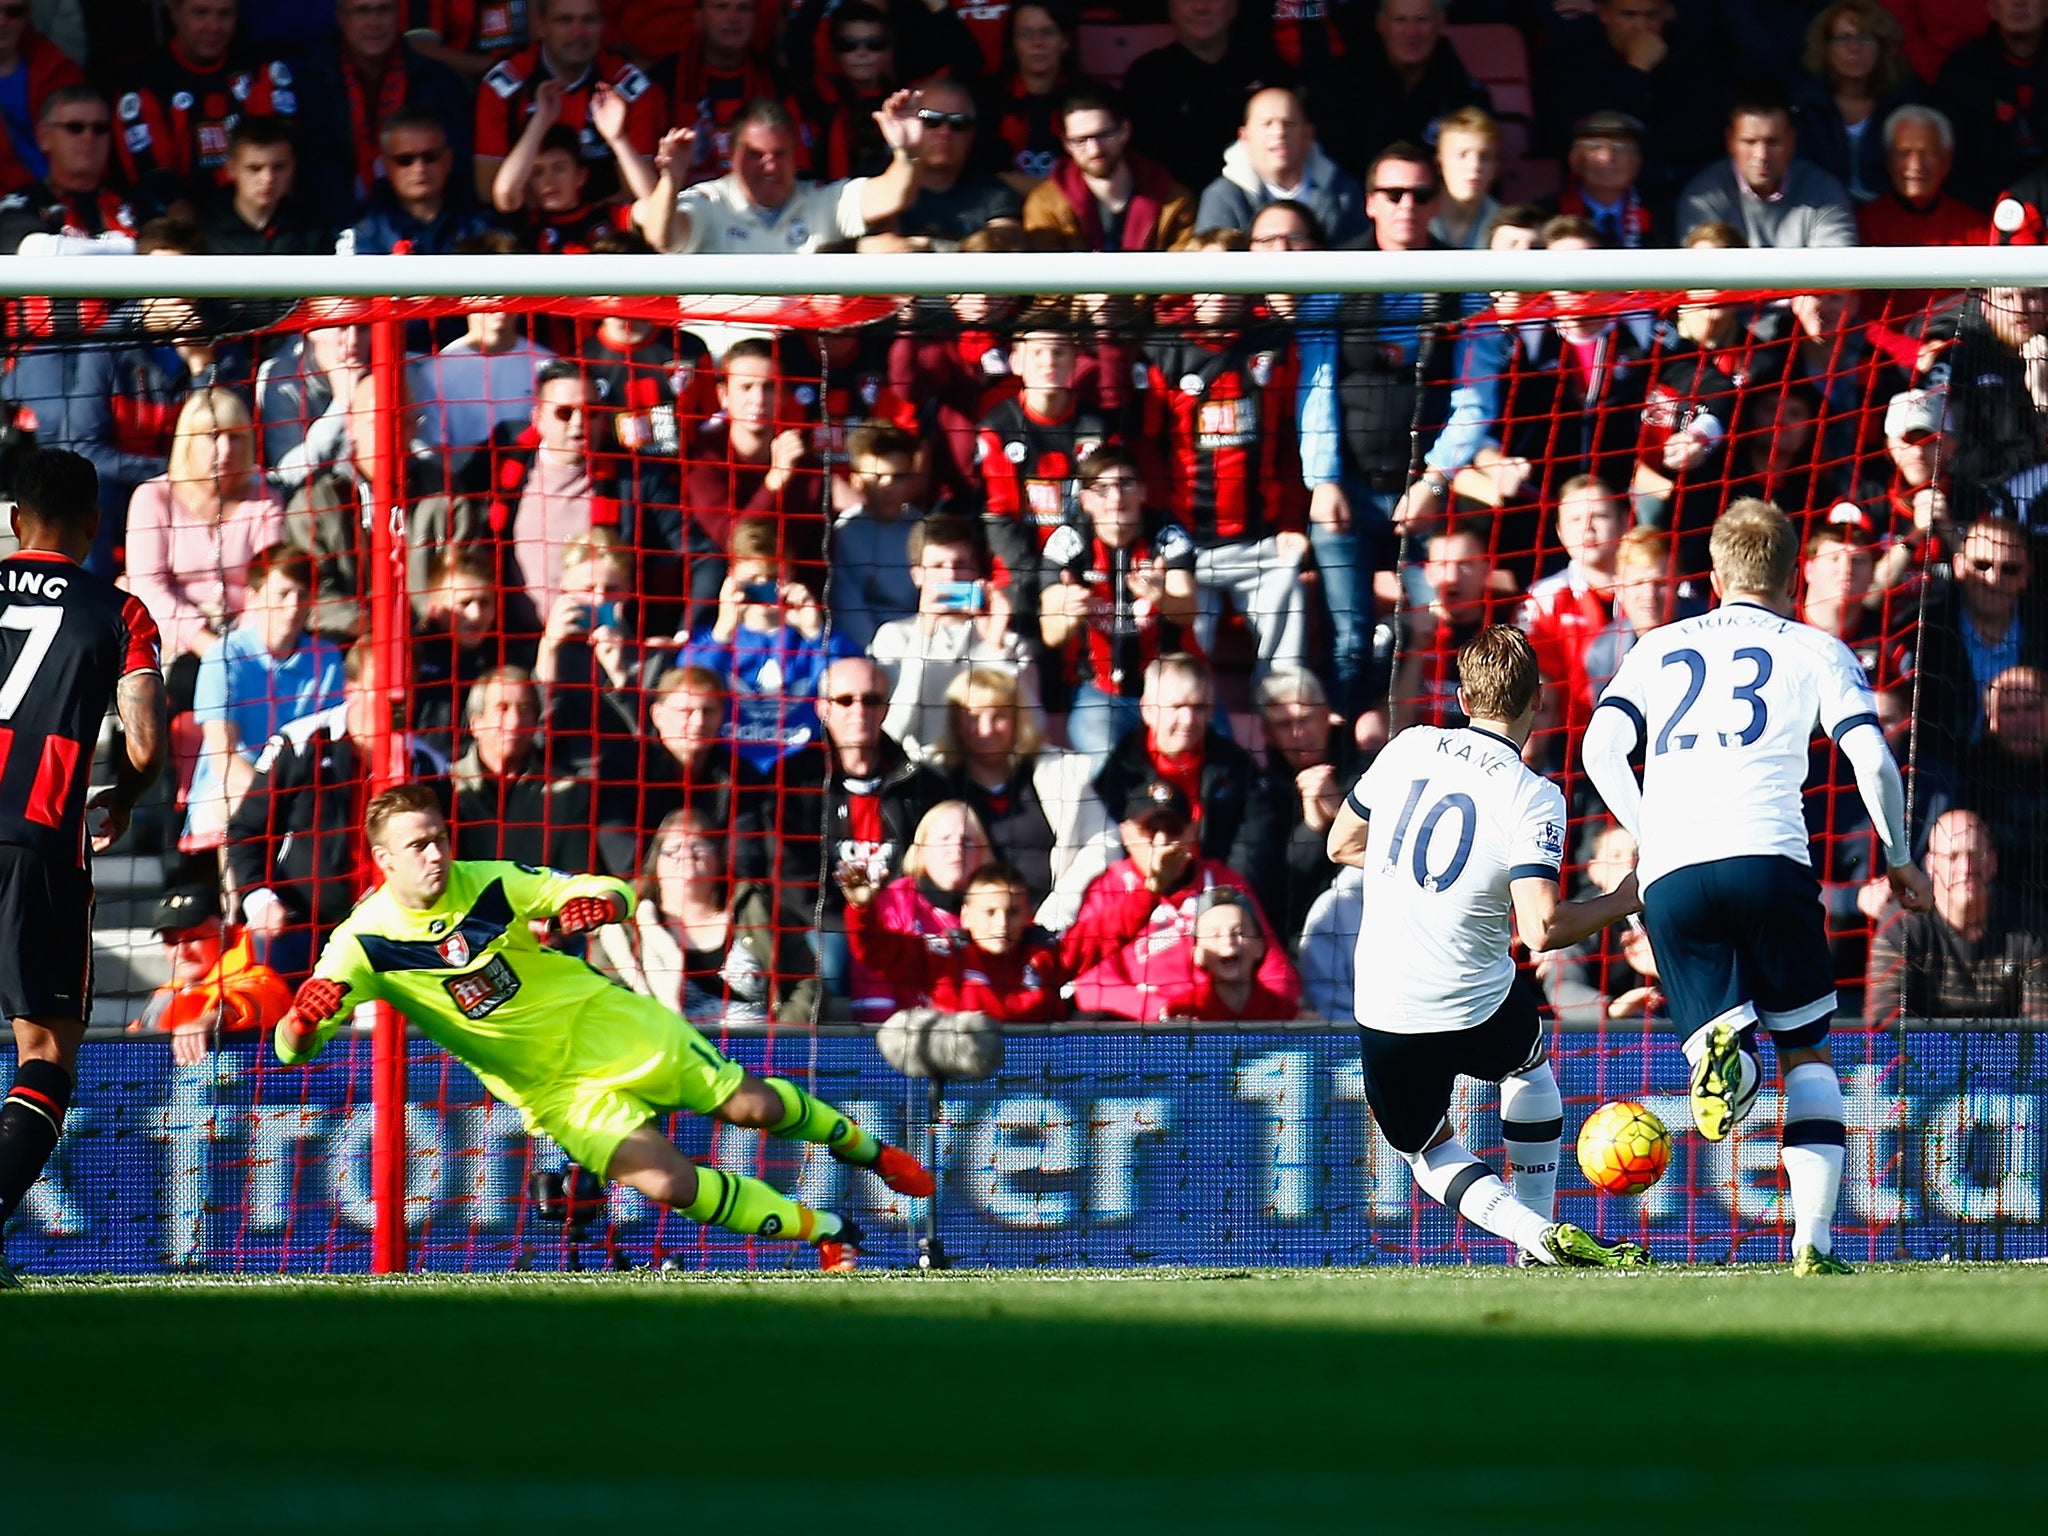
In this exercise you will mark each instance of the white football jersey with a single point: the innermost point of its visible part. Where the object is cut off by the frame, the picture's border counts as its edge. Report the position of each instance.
(1726, 705)
(1454, 817)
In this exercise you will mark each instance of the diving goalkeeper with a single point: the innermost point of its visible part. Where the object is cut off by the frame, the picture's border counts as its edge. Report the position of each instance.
(586, 1062)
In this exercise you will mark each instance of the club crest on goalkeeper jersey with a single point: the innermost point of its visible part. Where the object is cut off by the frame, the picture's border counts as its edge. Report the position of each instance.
(468, 970)
(1454, 819)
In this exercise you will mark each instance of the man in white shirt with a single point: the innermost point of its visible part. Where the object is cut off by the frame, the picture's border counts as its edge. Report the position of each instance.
(962, 621)
(758, 208)
(1724, 706)
(1453, 832)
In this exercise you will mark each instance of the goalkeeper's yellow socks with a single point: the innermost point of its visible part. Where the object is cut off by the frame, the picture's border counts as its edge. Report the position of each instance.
(756, 1209)
(807, 1119)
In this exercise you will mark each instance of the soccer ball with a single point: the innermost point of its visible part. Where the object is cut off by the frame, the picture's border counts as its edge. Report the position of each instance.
(1623, 1148)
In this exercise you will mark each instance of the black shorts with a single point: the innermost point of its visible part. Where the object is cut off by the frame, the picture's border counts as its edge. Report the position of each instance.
(1744, 936)
(1409, 1079)
(45, 936)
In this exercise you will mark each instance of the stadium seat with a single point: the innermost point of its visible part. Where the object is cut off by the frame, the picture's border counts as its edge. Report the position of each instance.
(1498, 58)
(1108, 47)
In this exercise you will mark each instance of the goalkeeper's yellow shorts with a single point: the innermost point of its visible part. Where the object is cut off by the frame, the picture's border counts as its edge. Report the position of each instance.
(630, 1059)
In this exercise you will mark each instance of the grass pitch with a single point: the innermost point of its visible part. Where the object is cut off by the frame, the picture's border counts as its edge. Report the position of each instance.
(1906, 1399)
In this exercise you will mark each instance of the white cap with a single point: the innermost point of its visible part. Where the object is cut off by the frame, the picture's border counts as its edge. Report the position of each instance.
(1916, 410)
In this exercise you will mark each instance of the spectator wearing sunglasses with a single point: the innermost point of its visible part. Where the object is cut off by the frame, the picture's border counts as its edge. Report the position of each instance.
(73, 198)
(1979, 625)
(31, 67)
(952, 198)
(414, 209)
(854, 789)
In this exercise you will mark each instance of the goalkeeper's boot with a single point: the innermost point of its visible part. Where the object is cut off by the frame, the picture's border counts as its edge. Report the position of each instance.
(1811, 1261)
(839, 1254)
(1716, 1081)
(1575, 1248)
(902, 1172)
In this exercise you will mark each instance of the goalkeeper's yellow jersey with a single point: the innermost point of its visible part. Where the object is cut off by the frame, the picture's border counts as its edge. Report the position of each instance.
(469, 972)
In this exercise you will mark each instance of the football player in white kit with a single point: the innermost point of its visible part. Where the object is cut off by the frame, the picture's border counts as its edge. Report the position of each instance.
(1452, 831)
(1724, 707)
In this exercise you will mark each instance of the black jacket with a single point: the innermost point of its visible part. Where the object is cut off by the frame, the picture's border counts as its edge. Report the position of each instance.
(1393, 404)
(299, 830)
(528, 818)
(1238, 826)
(803, 818)
(640, 792)
(1306, 868)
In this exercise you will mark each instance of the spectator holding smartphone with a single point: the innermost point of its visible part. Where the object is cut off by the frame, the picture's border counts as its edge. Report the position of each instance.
(767, 644)
(962, 621)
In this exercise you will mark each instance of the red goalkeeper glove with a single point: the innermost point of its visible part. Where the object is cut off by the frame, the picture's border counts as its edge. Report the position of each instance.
(580, 914)
(319, 1000)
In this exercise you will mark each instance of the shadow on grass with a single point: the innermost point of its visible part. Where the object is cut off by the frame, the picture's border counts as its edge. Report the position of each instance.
(989, 1410)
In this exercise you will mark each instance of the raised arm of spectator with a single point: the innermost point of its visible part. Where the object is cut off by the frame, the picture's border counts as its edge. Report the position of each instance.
(655, 211)
(883, 197)
(611, 115)
(508, 182)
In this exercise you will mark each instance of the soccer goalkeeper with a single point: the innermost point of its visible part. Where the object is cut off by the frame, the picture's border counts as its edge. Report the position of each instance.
(589, 1063)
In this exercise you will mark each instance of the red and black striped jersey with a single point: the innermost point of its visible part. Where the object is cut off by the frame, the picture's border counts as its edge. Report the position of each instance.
(1124, 633)
(67, 637)
(1027, 127)
(81, 215)
(1216, 433)
(505, 101)
(651, 397)
(473, 26)
(1028, 463)
(176, 121)
(709, 99)
(1303, 33)
(830, 401)
(988, 21)
(570, 233)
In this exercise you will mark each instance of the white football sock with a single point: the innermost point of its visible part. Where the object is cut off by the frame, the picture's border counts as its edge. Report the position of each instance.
(1812, 1152)
(1455, 1178)
(1531, 1126)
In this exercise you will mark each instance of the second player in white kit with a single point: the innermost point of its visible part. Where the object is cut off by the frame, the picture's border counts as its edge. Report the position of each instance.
(1724, 707)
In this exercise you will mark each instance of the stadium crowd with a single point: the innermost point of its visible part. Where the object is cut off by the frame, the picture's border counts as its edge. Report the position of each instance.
(865, 650)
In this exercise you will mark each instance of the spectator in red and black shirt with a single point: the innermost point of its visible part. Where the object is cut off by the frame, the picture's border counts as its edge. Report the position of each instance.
(839, 109)
(750, 460)
(959, 367)
(466, 35)
(569, 51)
(832, 381)
(1460, 575)
(1119, 590)
(74, 198)
(32, 67)
(1569, 607)
(547, 180)
(1021, 112)
(182, 103)
(710, 82)
(1032, 443)
(1217, 436)
(347, 91)
(652, 386)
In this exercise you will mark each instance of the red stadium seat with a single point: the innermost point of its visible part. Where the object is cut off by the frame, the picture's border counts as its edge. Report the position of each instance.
(1108, 47)
(1498, 58)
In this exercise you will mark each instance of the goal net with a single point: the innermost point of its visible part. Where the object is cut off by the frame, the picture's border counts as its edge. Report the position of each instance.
(719, 595)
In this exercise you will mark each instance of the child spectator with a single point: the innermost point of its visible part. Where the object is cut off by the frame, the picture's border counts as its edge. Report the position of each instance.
(544, 183)
(266, 672)
(995, 962)
(193, 531)
(1229, 947)
(767, 645)
(1033, 441)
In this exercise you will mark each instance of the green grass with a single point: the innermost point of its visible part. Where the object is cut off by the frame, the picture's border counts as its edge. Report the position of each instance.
(1390, 1400)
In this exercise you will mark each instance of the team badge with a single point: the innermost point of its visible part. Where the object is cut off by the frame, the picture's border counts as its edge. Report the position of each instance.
(1014, 451)
(1191, 384)
(182, 102)
(806, 395)
(1262, 369)
(455, 950)
(130, 108)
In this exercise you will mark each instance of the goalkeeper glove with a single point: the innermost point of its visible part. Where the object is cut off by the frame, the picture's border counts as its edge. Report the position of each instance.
(580, 914)
(319, 1000)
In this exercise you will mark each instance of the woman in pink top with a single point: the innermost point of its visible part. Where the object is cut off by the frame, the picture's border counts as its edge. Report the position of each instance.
(191, 532)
